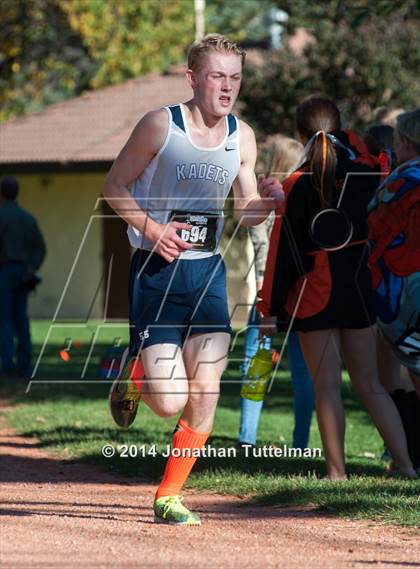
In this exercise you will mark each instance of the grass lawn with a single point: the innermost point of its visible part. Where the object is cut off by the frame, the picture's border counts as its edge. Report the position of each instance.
(70, 418)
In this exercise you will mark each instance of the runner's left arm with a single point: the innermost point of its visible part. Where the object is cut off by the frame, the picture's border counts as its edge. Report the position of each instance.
(253, 202)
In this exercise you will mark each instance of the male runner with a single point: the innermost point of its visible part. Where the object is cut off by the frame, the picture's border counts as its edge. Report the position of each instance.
(183, 161)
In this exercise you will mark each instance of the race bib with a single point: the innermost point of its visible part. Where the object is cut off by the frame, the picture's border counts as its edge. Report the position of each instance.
(202, 235)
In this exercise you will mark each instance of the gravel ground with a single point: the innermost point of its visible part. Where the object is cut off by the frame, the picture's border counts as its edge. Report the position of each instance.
(58, 514)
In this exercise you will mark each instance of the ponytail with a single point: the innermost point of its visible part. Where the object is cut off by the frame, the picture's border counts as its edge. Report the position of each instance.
(323, 164)
(317, 120)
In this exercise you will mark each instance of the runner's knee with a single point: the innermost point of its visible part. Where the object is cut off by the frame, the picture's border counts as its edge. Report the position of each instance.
(171, 405)
(205, 400)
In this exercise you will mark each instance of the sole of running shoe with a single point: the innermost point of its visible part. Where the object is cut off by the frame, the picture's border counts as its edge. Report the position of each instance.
(122, 412)
(123, 417)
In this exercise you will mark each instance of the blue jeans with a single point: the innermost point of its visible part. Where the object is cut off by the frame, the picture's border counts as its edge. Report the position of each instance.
(14, 322)
(251, 410)
(303, 392)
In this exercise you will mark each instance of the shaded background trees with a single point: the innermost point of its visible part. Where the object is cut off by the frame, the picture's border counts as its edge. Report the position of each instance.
(363, 54)
(42, 61)
(51, 50)
(129, 38)
(363, 57)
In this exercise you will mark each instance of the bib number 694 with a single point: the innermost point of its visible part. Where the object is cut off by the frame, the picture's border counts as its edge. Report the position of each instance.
(194, 235)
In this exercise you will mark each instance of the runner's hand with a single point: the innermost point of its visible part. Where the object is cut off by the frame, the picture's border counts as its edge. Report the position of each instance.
(169, 244)
(271, 191)
(268, 326)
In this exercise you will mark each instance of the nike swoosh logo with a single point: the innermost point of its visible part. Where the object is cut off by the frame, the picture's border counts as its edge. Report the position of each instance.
(228, 148)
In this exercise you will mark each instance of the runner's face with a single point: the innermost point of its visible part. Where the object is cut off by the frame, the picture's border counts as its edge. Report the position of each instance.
(216, 85)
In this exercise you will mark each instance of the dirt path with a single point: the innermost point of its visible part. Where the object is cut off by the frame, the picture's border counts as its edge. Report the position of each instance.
(56, 514)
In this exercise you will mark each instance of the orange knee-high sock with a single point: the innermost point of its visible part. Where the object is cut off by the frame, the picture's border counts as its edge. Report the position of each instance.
(177, 468)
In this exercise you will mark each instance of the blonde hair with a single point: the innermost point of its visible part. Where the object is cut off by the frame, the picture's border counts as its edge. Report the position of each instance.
(212, 42)
(408, 125)
(281, 155)
(385, 115)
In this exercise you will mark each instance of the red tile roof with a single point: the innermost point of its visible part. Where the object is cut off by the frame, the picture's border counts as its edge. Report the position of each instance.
(89, 128)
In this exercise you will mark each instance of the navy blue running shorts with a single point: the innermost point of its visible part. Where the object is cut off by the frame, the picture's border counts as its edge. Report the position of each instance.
(170, 302)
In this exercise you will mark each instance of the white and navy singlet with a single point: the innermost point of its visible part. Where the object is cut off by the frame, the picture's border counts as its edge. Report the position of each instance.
(185, 182)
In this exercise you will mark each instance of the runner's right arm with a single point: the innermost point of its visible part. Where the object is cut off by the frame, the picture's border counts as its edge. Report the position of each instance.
(144, 143)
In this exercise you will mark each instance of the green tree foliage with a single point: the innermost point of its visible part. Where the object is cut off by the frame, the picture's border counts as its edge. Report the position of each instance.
(361, 63)
(380, 8)
(129, 38)
(51, 50)
(365, 53)
(42, 60)
(240, 20)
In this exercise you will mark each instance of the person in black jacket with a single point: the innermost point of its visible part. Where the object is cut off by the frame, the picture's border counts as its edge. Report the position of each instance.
(22, 251)
(317, 279)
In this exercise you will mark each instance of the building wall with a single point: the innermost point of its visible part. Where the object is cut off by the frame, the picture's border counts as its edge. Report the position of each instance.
(64, 205)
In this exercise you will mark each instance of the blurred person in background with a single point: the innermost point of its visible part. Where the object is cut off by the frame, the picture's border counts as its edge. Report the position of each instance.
(22, 251)
(394, 232)
(280, 155)
(379, 142)
(386, 115)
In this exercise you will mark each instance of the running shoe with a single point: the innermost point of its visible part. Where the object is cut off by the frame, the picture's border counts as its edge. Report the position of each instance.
(170, 510)
(125, 394)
